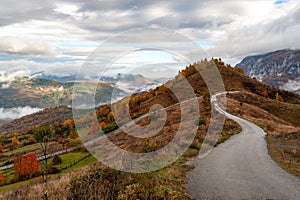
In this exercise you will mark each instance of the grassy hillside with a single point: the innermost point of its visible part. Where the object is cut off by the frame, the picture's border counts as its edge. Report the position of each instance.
(256, 101)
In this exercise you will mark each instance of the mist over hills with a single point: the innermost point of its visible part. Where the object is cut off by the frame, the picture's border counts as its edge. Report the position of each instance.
(23, 95)
(232, 80)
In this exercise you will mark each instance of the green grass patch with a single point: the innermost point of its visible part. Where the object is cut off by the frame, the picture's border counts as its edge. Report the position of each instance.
(86, 161)
(70, 161)
(83, 131)
(8, 173)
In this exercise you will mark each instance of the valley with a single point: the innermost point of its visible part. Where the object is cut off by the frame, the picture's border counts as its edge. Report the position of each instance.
(149, 100)
(255, 101)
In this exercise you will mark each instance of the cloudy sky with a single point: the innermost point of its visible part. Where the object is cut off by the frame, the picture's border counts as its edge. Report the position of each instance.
(57, 36)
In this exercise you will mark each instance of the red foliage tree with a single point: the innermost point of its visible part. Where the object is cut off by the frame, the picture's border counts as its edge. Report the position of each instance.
(32, 164)
(264, 93)
(102, 124)
(26, 167)
(17, 167)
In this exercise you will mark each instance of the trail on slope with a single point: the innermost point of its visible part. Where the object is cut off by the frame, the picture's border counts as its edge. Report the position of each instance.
(241, 168)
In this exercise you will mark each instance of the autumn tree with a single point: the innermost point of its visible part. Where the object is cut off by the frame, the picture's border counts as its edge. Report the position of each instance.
(74, 135)
(17, 167)
(110, 117)
(278, 97)
(239, 70)
(69, 126)
(1, 147)
(15, 141)
(32, 164)
(25, 167)
(102, 124)
(264, 93)
(43, 135)
(3, 179)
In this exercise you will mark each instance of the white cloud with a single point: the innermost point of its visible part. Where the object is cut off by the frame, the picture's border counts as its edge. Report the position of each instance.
(15, 113)
(62, 28)
(25, 47)
(9, 76)
(5, 86)
(11, 69)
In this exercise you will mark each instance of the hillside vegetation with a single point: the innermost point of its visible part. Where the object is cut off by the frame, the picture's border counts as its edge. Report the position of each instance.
(99, 182)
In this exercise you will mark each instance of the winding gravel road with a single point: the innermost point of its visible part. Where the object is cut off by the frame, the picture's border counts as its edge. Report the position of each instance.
(241, 168)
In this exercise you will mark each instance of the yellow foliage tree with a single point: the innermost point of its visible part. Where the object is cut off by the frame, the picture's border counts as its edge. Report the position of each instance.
(15, 141)
(278, 97)
(69, 123)
(110, 117)
(239, 70)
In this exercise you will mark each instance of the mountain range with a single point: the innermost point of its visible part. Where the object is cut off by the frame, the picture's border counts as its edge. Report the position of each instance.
(273, 115)
(43, 93)
(24, 95)
(232, 80)
(279, 68)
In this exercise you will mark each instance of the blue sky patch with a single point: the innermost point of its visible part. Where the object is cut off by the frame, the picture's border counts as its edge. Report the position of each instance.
(280, 2)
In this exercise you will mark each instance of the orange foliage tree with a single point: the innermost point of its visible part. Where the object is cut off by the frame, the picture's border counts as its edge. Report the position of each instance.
(2, 178)
(25, 167)
(102, 124)
(15, 141)
(264, 93)
(69, 123)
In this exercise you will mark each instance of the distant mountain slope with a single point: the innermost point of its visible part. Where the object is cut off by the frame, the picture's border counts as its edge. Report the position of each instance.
(126, 82)
(44, 93)
(232, 80)
(280, 68)
(48, 115)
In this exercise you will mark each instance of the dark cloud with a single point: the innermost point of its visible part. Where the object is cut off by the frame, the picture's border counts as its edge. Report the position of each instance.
(14, 11)
(234, 28)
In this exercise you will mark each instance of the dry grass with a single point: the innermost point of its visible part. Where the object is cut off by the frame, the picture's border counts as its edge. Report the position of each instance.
(59, 190)
(270, 123)
(287, 112)
(285, 149)
(99, 182)
(283, 136)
